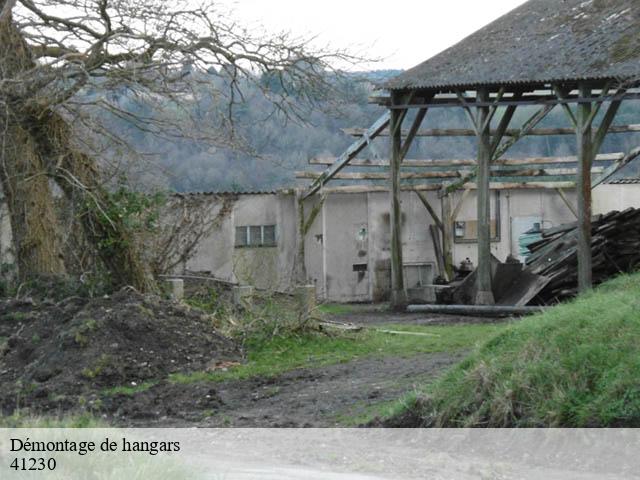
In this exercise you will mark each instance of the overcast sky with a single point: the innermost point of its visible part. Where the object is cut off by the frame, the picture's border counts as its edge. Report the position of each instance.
(404, 32)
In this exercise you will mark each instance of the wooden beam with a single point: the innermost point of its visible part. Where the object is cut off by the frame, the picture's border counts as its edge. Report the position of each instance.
(456, 209)
(430, 209)
(526, 100)
(412, 132)
(548, 175)
(512, 132)
(609, 171)
(317, 208)
(435, 238)
(299, 270)
(438, 186)
(447, 233)
(585, 155)
(607, 119)
(349, 154)
(398, 293)
(567, 202)
(536, 118)
(484, 292)
(449, 163)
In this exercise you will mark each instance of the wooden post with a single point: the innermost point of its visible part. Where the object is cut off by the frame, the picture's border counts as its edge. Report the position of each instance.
(583, 189)
(299, 269)
(484, 295)
(398, 293)
(447, 233)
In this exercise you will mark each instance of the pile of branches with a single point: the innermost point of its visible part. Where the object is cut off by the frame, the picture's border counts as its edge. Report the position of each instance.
(615, 248)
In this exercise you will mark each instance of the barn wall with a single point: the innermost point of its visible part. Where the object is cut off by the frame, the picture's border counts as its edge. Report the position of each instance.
(607, 197)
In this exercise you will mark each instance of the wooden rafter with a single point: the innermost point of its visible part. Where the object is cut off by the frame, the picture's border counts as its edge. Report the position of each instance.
(430, 209)
(434, 164)
(466, 132)
(348, 155)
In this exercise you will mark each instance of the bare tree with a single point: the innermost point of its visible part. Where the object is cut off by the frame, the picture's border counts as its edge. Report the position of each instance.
(52, 52)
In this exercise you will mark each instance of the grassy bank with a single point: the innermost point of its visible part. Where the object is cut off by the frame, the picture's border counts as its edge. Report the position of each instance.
(576, 365)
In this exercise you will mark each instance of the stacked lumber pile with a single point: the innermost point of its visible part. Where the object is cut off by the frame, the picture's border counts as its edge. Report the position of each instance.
(615, 247)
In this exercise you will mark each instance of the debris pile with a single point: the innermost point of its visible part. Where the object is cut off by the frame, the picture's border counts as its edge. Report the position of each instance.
(615, 247)
(65, 355)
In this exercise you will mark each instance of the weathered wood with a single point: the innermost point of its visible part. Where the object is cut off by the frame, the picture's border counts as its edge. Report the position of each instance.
(300, 270)
(583, 191)
(484, 295)
(398, 293)
(349, 154)
(617, 165)
(456, 209)
(466, 132)
(526, 100)
(567, 202)
(430, 209)
(317, 208)
(498, 134)
(530, 185)
(412, 132)
(501, 163)
(447, 233)
(605, 124)
(437, 248)
(615, 248)
(489, 310)
(500, 176)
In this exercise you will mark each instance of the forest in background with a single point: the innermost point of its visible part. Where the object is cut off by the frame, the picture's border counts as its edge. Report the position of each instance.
(270, 146)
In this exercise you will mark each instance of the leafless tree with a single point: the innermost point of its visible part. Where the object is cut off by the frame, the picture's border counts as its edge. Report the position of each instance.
(52, 52)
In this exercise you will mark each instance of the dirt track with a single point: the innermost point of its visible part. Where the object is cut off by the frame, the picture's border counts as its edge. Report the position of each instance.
(317, 397)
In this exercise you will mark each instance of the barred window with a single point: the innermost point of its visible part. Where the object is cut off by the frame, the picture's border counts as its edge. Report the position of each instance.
(256, 236)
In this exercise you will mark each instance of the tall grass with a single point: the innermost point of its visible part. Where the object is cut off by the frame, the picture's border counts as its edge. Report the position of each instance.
(576, 365)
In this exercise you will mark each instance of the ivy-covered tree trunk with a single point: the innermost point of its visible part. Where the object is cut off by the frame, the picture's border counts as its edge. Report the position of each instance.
(116, 244)
(23, 174)
(36, 145)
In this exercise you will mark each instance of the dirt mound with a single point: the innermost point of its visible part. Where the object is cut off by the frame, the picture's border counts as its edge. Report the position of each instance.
(65, 356)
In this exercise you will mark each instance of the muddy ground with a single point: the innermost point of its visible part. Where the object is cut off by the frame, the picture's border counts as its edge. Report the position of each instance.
(68, 356)
(312, 397)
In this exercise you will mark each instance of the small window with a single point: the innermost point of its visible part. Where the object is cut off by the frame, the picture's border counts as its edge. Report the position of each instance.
(269, 235)
(256, 236)
(241, 237)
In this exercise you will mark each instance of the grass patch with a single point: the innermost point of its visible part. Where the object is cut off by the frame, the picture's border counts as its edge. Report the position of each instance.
(336, 308)
(344, 309)
(280, 354)
(21, 419)
(128, 390)
(576, 365)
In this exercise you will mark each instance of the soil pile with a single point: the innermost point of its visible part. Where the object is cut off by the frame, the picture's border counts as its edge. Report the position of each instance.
(71, 355)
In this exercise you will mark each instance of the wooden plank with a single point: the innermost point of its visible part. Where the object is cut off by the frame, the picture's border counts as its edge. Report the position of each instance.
(430, 209)
(449, 163)
(466, 132)
(438, 186)
(567, 202)
(349, 154)
(496, 177)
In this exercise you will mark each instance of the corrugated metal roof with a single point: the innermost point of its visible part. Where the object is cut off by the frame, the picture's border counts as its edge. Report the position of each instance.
(624, 181)
(238, 192)
(539, 42)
